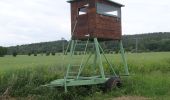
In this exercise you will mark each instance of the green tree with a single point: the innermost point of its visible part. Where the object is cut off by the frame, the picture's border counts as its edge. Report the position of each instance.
(3, 51)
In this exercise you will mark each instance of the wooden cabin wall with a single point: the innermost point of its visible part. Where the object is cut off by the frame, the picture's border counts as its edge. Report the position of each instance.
(96, 25)
(92, 17)
(108, 27)
(84, 24)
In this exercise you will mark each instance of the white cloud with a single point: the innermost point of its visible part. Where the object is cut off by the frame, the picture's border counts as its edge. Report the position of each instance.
(141, 16)
(28, 21)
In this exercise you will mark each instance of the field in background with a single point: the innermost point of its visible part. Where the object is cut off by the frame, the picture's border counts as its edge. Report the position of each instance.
(22, 76)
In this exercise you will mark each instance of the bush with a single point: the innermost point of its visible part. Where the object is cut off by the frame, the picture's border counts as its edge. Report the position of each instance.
(14, 54)
(29, 54)
(35, 54)
(53, 53)
(47, 53)
(116, 51)
(75, 53)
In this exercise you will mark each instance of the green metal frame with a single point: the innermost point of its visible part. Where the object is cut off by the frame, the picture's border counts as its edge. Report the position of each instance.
(123, 58)
(79, 80)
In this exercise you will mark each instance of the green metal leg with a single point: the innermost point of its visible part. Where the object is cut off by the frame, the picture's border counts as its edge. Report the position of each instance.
(99, 58)
(68, 67)
(65, 84)
(108, 61)
(123, 58)
(74, 46)
(95, 62)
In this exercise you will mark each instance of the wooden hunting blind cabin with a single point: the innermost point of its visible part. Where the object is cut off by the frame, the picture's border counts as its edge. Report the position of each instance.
(99, 19)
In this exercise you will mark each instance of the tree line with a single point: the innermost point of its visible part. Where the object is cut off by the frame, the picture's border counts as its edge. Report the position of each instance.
(150, 42)
(154, 42)
(3, 51)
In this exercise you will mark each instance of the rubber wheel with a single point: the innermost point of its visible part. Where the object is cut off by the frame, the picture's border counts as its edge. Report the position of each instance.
(111, 83)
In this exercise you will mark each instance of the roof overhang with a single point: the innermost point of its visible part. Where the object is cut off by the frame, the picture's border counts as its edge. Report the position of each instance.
(113, 2)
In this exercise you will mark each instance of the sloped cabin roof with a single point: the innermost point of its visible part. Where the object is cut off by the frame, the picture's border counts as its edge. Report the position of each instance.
(118, 4)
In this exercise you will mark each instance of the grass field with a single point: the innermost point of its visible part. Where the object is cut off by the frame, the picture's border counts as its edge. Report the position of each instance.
(22, 76)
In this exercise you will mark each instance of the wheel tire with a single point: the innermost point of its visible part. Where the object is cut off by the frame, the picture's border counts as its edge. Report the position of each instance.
(113, 82)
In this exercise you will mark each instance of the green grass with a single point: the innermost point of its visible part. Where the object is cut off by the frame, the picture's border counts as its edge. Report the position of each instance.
(24, 74)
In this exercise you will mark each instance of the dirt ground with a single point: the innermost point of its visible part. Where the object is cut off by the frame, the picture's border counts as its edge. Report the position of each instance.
(6, 98)
(118, 98)
(131, 98)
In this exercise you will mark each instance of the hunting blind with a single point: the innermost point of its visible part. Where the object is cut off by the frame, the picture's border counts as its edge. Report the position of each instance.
(99, 19)
(92, 21)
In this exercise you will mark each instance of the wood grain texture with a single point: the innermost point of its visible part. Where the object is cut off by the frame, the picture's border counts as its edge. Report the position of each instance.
(96, 25)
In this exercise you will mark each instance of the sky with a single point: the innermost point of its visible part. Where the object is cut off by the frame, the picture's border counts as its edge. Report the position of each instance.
(32, 21)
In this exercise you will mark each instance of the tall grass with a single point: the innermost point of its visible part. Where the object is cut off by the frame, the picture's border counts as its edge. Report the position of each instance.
(24, 75)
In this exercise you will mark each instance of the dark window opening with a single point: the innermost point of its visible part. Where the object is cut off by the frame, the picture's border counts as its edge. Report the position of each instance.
(82, 11)
(108, 10)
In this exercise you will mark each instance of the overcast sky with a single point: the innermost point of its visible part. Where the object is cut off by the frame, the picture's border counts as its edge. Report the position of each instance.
(31, 21)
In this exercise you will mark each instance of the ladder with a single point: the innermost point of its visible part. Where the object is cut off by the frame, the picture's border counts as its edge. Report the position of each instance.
(74, 70)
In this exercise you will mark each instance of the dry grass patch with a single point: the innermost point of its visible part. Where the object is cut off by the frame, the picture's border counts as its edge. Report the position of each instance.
(131, 98)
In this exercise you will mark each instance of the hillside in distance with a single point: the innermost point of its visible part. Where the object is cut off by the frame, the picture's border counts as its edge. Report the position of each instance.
(159, 41)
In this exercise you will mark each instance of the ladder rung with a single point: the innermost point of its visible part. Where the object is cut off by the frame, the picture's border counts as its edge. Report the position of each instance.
(71, 77)
(75, 65)
(72, 72)
(80, 44)
(75, 57)
(84, 43)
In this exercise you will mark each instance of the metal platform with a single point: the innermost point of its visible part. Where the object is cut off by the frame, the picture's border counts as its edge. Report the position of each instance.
(77, 79)
(77, 82)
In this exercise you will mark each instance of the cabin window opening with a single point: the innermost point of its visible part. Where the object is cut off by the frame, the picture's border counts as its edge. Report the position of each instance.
(82, 11)
(108, 10)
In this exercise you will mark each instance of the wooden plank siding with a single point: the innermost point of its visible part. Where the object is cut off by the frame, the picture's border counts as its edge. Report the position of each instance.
(96, 25)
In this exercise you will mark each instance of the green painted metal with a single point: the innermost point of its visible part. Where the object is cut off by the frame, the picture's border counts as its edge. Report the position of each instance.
(74, 46)
(80, 80)
(82, 67)
(99, 60)
(95, 62)
(124, 58)
(74, 82)
(110, 65)
(68, 68)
